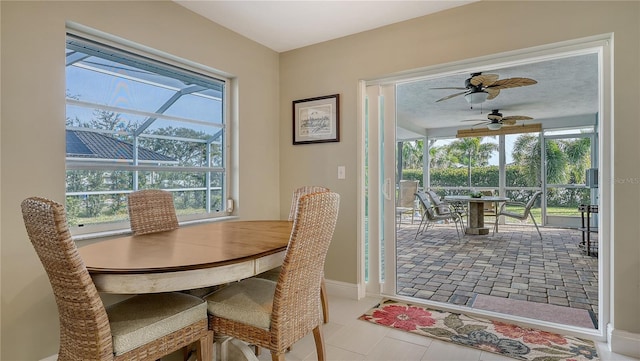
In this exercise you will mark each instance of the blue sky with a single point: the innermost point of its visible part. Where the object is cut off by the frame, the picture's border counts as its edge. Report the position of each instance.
(123, 92)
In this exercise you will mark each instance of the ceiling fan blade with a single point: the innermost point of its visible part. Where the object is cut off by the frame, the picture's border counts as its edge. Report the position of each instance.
(450, 96)
(508, 121)
(481, 123)
(512, 83)
(493, 92)
(484, 79)
(516, 117)
(450, 87)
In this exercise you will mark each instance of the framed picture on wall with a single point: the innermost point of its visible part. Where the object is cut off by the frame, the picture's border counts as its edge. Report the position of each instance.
(316, 120)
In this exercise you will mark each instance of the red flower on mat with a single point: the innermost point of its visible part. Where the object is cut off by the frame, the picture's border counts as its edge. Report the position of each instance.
(403, 317)
(529, 335)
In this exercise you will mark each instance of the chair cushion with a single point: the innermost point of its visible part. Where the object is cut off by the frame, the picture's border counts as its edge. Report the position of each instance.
(249, 301)
(271, 275)
(444, 209)
(141, 319)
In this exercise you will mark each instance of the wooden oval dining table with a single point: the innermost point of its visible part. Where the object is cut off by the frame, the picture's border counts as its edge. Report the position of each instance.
(190, 257)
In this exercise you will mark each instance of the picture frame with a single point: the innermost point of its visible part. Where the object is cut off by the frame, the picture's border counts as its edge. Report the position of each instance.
(316, 120)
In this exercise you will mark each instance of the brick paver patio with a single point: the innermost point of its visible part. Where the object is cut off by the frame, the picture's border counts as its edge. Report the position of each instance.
(514, 264)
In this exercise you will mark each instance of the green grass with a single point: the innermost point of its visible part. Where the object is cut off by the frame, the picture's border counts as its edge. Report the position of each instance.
(551, 211)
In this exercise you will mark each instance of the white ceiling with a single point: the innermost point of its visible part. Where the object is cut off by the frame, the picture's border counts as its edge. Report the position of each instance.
(567, 88)
(288, 25)
(566, 92)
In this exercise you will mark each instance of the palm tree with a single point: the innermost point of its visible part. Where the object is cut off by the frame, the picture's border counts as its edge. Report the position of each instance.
(566, 160)
(471, 152)
(557, 163)
(439, 157)
(412, 154)
(578, 153)
(526, 153)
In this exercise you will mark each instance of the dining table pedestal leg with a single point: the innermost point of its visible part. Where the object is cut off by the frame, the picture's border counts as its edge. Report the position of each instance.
(476, 219)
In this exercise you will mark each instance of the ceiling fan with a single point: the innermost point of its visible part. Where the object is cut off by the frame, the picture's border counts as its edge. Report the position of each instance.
(496, 120)
(480, 87)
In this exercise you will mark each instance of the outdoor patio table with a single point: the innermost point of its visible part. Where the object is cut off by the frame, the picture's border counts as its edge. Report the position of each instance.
(475, 222)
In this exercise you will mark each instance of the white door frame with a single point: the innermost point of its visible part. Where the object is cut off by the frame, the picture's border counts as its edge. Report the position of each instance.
(378, 187)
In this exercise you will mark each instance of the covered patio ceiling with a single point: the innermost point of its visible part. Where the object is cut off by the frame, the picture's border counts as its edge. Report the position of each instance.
(566, 93)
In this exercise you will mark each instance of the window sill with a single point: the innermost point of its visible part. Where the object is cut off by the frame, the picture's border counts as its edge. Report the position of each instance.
(127, 231)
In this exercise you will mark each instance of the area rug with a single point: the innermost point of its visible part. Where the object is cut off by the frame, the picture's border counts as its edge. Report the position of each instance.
(492, 336)
(537, 311)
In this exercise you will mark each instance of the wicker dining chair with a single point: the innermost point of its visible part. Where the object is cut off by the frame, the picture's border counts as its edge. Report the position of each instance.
(299, 192)
(273, 274)
(275, 315)
(143, 327)
(151, 210)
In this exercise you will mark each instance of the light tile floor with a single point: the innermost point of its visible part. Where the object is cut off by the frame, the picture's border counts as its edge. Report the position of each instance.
(347, 338)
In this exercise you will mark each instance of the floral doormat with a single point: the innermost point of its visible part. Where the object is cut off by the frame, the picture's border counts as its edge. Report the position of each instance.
(492, 336)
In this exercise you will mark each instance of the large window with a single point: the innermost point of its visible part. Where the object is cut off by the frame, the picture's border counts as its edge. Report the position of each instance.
(134, 122)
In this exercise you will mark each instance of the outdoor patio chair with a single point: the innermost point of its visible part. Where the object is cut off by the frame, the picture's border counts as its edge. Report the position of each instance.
(443, 208)
(406, 199)
(519, 216)
(430, 217)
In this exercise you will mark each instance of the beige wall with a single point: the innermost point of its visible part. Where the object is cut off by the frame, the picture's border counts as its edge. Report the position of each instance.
(33, 141)
(479, 29)
(32, 119)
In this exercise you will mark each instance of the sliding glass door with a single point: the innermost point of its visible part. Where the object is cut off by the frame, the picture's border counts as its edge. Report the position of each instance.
(380, 189)
(560, 158)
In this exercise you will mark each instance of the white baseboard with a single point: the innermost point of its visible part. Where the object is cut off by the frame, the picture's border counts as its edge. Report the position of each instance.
(342, 289)
(623, 342)
(51, 358)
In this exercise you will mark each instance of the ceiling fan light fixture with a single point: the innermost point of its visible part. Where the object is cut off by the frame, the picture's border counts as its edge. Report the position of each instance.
(494, 126)
(476, 97)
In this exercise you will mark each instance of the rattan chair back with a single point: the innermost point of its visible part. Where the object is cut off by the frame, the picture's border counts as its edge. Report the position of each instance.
(152, 210)
(84, 326)
(85, 331)
(301, 192)
(296, 302)
(275, 273)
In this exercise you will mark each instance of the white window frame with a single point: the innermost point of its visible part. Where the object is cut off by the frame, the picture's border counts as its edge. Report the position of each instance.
(122, 226)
